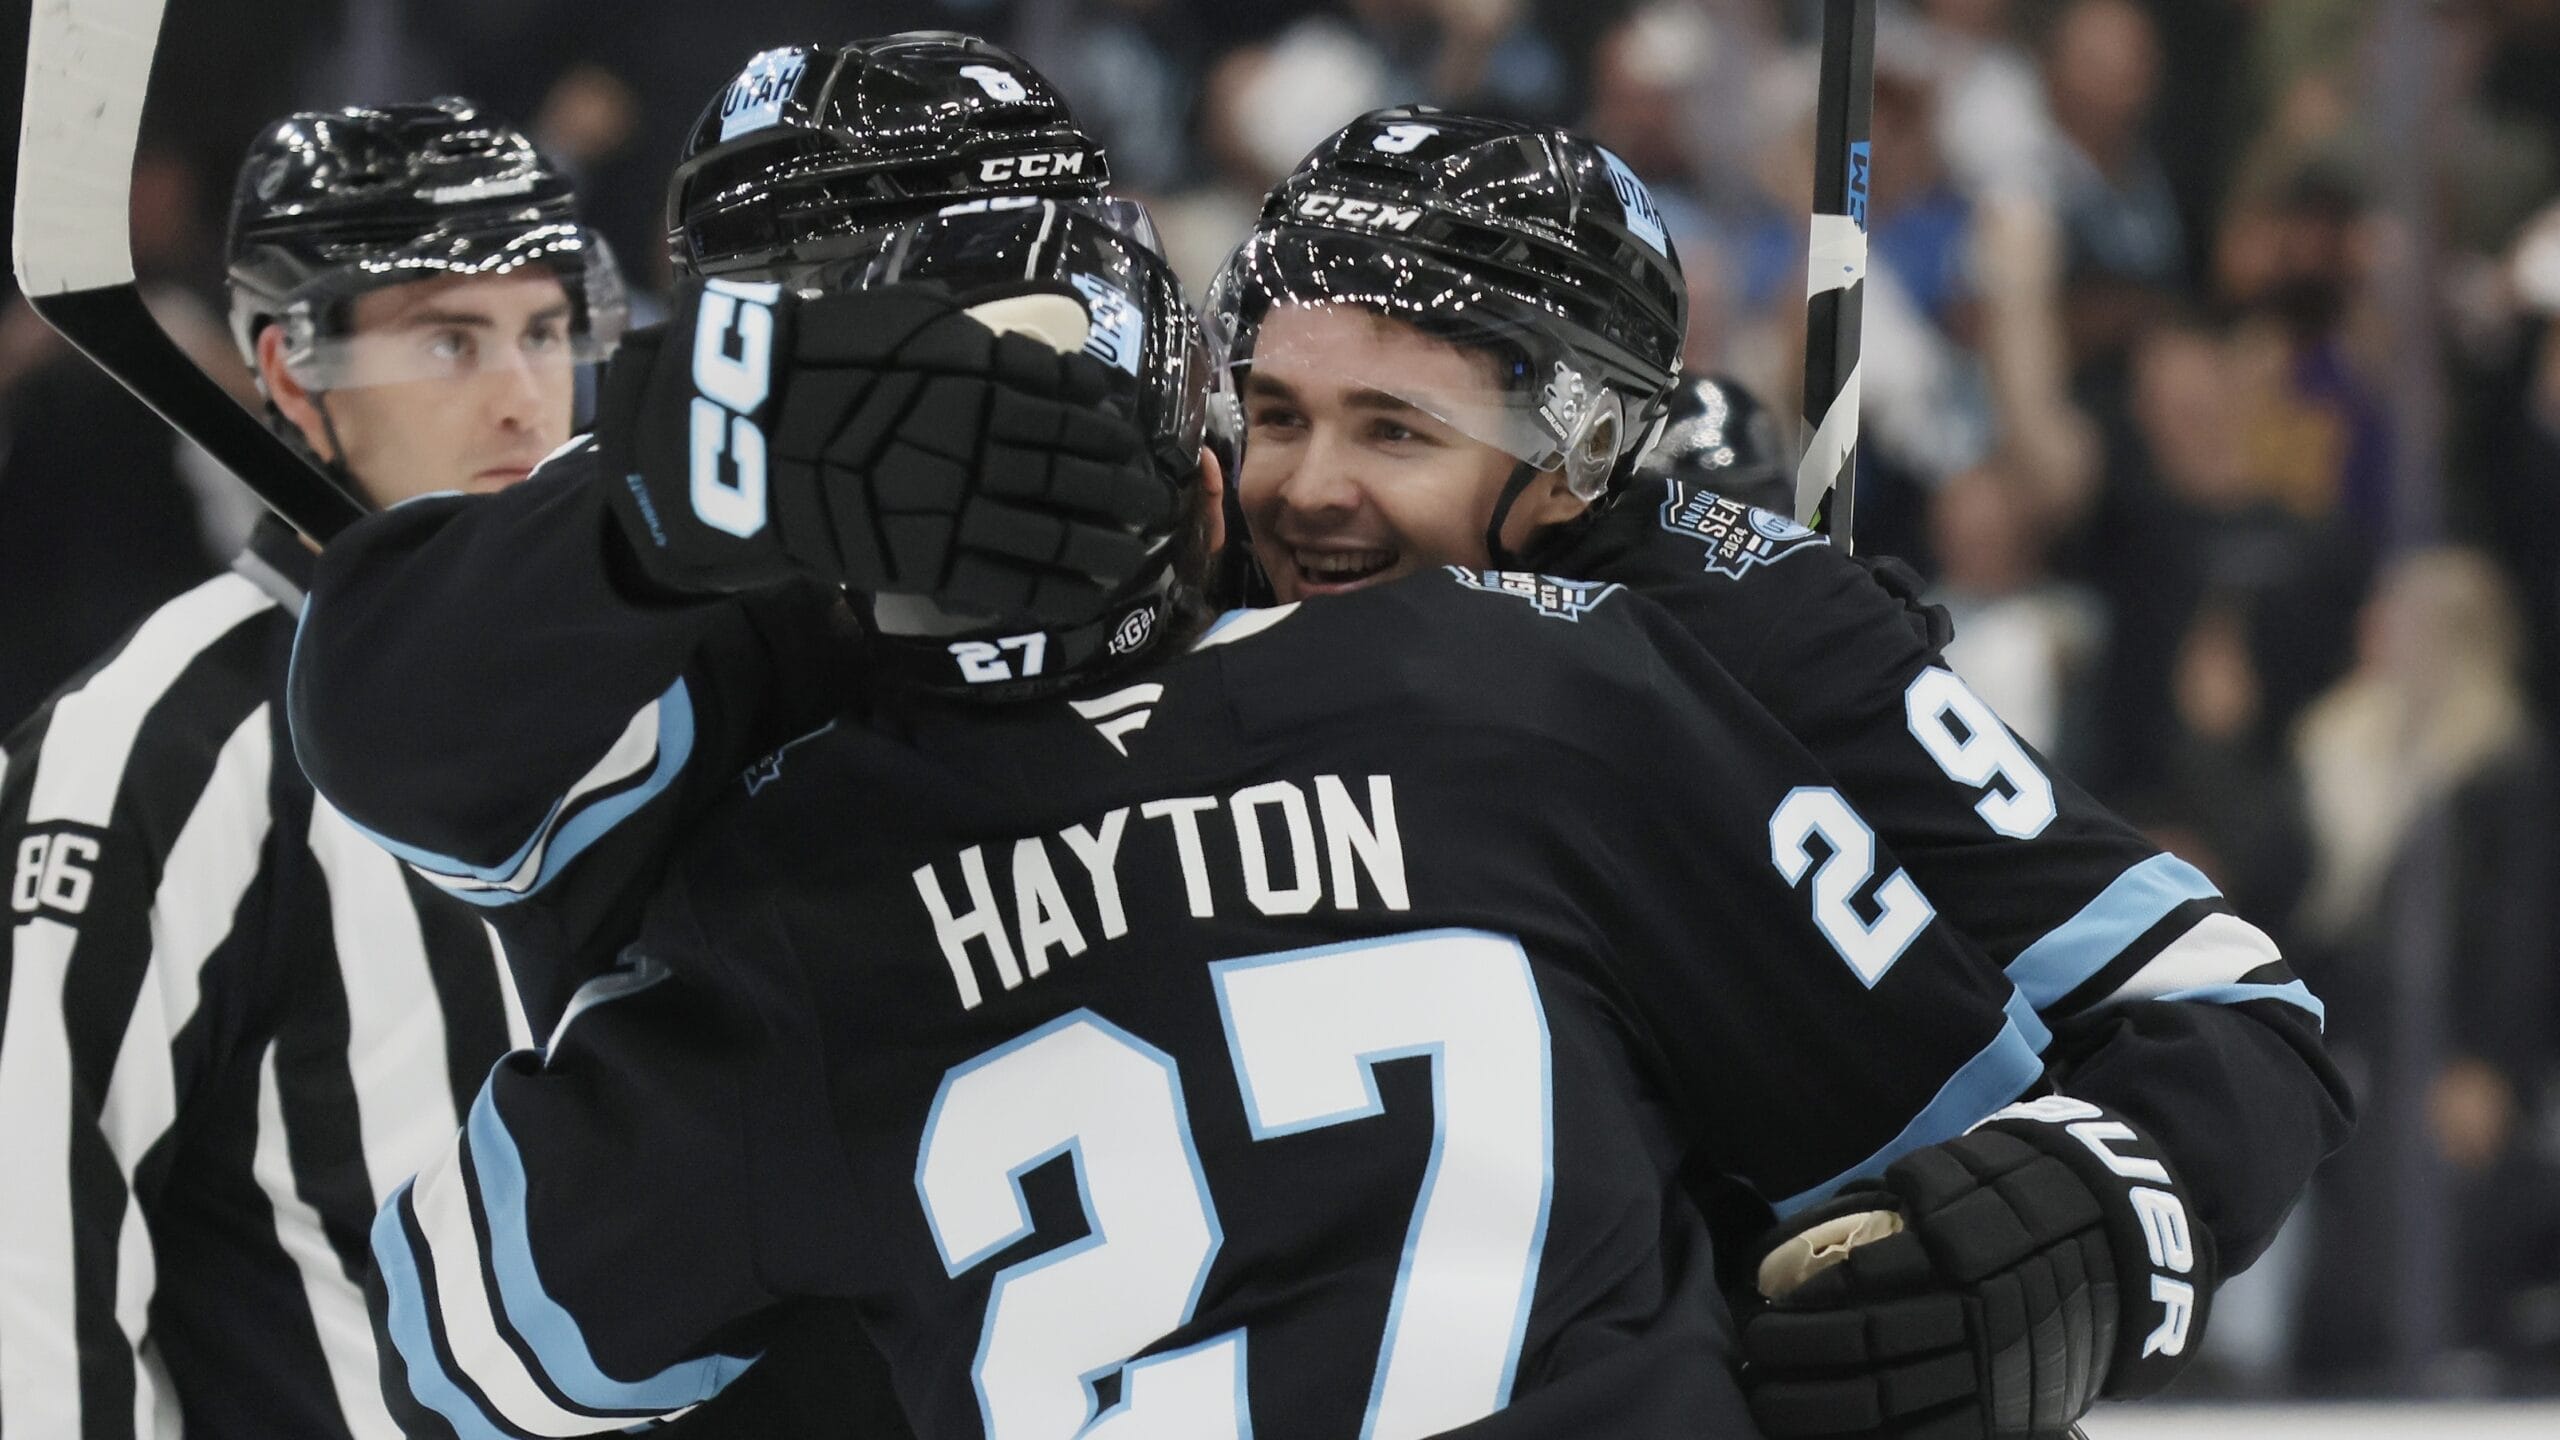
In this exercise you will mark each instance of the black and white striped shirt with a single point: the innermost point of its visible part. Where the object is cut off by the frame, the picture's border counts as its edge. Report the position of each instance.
(230, 1025)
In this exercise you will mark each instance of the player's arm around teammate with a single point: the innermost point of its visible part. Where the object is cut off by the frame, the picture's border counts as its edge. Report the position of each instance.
(783, 1071)
(526, 695)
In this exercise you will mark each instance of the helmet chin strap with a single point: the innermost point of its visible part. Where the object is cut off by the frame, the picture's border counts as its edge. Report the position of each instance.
(1522, 473)
(1589, 460)
(333, 464)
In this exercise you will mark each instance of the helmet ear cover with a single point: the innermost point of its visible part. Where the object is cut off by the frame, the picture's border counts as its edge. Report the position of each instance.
(1591, 455)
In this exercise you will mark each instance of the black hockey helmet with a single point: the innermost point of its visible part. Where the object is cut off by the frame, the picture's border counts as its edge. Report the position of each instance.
(812, 142)
(333, 203)
(1079, 274)
(1720, 437)
(1526, 242)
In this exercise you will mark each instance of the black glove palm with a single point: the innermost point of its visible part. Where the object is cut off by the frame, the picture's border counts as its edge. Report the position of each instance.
(882, 440)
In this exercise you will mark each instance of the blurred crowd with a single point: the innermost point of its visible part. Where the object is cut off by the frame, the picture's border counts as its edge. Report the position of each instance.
(2211, 374)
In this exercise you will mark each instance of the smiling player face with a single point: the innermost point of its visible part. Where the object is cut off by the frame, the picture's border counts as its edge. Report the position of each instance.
(1345, 485)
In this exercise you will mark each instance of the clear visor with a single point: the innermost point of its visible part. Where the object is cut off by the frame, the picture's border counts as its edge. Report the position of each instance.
(1102, 248)
(1369, 326)
(979, 244)
(456, 304)
(1036, 214)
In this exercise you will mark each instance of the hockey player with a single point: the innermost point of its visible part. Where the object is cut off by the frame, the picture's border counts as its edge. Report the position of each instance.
(1298, 1028)
(457, 807)
(233, 1023)
(1450, 336)
(808, 144)
(622, 648)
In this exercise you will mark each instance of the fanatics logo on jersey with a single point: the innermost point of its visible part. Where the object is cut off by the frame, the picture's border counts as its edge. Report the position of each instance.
(1121, 713)
(1737, 536)
(1563, 599)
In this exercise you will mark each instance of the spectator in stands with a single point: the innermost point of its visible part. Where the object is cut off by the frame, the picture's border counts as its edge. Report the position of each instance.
(2187, 519)
(1133, 67)
(2295, 262)
(2519, 494)
(2123, 248)
(2427, 783)
(1993, 125)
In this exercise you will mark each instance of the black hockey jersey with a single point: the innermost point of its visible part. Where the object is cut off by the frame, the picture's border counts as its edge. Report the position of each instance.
(2172, 1008)
(1306, 1038)
(510, 709)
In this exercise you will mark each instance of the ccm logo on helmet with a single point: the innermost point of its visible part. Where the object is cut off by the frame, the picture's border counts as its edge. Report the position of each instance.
(2166, 1233)
(1031, 167)
(732, 375)
(1367, 214)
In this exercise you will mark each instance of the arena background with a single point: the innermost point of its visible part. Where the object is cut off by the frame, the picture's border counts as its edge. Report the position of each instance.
(2211, 375)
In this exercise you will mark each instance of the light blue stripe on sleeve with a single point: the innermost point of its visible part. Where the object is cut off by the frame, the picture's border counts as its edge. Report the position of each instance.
(559, 1347)
(2295, 994)
(2081, 946)
(675, 746)
(407, 1318)
(485, 899)
(2029, 1023)
(1998, 1074)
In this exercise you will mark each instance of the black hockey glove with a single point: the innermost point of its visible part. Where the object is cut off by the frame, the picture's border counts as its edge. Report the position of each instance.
(883, 440)
(1994, 1285)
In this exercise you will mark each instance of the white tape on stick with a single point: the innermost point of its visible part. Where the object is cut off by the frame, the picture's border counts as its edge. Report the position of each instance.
(1836, 257)
(1828, 450)
(88, 66)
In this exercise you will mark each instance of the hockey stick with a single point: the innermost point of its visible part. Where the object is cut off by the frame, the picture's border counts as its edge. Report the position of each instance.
(1836, 268)
(88, 64)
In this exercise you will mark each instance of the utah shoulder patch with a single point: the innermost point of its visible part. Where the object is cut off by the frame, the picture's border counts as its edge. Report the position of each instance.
(1736, 536)
(1548, 595)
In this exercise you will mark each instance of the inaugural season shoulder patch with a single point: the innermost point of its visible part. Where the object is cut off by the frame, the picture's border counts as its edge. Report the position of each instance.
(1735, 535)
(1562, 599)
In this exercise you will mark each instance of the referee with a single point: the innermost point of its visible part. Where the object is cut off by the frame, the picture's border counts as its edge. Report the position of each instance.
(229, 1024)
